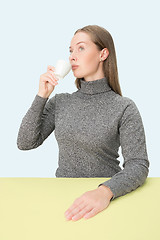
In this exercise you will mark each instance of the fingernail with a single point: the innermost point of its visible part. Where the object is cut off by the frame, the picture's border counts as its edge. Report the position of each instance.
(68, 217)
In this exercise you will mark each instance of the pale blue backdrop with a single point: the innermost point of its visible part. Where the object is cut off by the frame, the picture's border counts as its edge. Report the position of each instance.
(35, 34)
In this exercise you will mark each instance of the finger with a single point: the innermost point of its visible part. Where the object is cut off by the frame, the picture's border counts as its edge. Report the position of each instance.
(51, 72)
(52, 78)
(90, 214)
(76, 203)
(75, 209)
(52, 75)
(50, 81)
(82, 213)
(50, 68)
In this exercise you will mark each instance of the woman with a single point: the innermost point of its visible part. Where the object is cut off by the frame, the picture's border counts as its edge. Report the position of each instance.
(90, 124)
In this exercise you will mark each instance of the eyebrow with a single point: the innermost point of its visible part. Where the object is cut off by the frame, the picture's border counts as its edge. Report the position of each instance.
(78, 43)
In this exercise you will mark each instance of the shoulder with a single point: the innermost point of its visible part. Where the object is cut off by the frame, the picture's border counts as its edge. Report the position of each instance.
(130, 111)
(120, 102)
(123, 102)
(63, 95)
(60, 97)
(125, 106)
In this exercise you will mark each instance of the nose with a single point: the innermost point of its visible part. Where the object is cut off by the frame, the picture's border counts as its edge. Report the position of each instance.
(73, 57)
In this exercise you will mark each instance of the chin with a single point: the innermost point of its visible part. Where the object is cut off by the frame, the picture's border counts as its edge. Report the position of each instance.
(78, 75)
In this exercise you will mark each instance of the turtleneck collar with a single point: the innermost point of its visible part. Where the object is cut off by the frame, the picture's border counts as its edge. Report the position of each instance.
(93, 87)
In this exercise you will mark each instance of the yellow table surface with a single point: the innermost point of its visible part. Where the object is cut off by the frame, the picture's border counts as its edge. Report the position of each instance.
(33, 208)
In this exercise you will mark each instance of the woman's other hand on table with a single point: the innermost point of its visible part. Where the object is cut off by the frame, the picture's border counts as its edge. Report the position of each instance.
(89, 204)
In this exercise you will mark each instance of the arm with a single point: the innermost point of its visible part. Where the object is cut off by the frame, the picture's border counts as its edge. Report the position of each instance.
(136, 164)
(37, 124)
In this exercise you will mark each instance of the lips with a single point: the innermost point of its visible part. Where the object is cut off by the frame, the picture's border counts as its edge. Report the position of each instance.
(74, 67)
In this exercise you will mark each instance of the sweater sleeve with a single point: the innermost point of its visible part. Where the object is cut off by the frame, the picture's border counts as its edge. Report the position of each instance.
(133, 145)
(37, 124)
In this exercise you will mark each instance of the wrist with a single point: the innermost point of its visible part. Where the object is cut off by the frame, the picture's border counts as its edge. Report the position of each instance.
(42, 95)
(106, 191)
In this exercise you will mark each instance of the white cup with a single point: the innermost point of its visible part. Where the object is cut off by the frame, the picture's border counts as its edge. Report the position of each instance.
(62, 68)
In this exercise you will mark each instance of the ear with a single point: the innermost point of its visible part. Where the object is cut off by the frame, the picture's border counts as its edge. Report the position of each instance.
(104, 54)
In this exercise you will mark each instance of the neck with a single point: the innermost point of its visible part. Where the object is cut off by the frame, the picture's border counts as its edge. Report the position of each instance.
(98, 74)
(95, 86)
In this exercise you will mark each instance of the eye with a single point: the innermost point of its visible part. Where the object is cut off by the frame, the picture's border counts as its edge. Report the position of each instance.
(79, 48)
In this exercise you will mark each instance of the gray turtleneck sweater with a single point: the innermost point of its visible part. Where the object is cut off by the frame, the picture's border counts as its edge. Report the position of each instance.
(90, 125)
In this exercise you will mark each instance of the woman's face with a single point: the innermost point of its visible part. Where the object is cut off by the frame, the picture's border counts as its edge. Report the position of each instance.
(85, 54)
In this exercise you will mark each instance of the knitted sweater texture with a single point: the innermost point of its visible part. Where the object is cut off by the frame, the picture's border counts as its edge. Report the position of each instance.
(90, 125)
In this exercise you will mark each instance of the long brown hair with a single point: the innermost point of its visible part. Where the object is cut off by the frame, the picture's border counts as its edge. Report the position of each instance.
(103, 39)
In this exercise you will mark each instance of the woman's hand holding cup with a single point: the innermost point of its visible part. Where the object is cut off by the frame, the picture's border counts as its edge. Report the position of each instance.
(47, 82)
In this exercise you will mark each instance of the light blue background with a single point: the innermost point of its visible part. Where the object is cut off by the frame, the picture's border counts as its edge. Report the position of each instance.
(35, 34)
